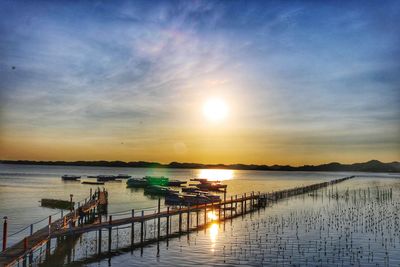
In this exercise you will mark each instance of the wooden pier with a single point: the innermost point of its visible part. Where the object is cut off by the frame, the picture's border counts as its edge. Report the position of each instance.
(13, 254)
(183, 218)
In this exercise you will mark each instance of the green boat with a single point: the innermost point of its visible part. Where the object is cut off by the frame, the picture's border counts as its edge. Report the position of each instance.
(157, 180)
(136, 182)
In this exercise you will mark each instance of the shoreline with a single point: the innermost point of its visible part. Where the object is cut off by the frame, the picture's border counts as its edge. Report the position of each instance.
(370, 166)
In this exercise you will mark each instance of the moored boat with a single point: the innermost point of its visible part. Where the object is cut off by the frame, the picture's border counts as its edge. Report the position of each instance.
(195, 199)
(123, 176)
(201, 180)
(103, 178)
(67, 177)
(190, 189)
(176, 183)
(158, 190)
(106, 178)
(136, 182)
(157, 180)
(191, 199)
(213, 198)
(92, 182)
(174, 199)
(212, 186)
(205, 184)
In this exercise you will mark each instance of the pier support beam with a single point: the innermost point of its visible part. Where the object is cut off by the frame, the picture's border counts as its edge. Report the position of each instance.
(4, 233)
(197, 215)
(133, 229)
(241, 207)
(188, 219)
(49, 225)
(224, 203)
(236, 201)
(219, 211)
(141, 228)
(205, 214)
(245, 203)
(109, 233)
(231, 207)
(158, 219)
(167, 222)
(180, 219)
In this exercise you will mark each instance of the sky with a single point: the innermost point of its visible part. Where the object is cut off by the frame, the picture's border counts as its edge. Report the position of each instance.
(304, 82)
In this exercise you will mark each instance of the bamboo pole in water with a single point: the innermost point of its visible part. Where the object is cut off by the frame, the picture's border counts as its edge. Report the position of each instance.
(167, 221)
(133, 228)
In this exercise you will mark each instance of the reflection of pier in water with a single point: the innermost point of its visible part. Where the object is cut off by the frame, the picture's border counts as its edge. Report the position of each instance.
(150, 226)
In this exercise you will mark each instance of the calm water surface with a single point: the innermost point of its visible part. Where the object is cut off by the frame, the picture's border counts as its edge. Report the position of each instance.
(252, 240)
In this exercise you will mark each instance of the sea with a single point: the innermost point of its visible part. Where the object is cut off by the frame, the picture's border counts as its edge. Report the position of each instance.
(353, 223)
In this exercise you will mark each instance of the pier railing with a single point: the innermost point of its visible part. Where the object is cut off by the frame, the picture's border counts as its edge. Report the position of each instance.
(10, 239)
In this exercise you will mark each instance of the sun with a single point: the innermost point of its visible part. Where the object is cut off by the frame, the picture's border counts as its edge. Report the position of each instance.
(215, 109)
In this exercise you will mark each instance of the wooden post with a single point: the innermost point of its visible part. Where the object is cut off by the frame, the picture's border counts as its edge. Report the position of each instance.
(167, 221)
(109, 232)
(70, 200)
(197, 214)
(241, 206)
(4, 233)
(25, 243)
(48, 248)
(188, 219)
(205, 214)
(235, 204)
(251, 201)
(219, 211)
(212, 210)
(141, 228)
(133, 228)
(231, 207)
(224, 202)
(31, 229)
(245, 203)
(90, 194)
(180, 219)
(50, 225)
(158, 219)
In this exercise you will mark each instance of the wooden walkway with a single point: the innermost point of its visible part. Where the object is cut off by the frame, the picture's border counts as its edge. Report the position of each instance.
(224, 209)
(17, 251)
(227, 209)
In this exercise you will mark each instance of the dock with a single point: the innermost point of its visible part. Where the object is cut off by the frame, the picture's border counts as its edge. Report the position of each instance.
(168, 222)
(11, 255)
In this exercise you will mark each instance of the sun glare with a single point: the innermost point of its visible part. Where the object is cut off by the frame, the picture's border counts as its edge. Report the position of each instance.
(215, 110)
(216, 174)
(212, 216)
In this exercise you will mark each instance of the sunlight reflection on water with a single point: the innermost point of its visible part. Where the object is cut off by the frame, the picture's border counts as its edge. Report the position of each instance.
(213, 235)
(216, 175)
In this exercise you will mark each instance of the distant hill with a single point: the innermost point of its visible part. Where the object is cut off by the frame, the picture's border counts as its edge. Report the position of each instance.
(369, 166)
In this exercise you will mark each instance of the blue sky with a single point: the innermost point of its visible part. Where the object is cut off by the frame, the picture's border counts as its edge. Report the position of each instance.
(305, 81)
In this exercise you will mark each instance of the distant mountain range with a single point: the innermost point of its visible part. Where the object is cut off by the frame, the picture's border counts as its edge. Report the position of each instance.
(369, 166)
